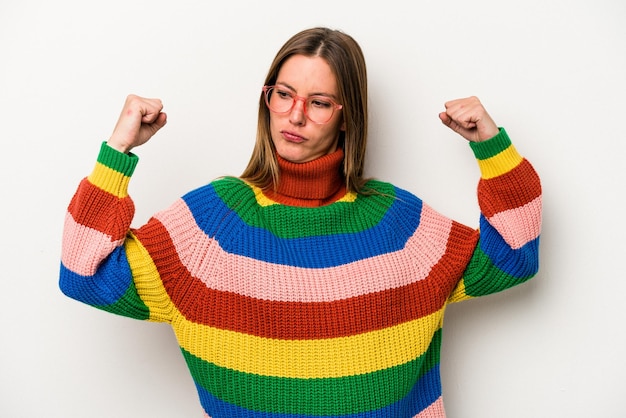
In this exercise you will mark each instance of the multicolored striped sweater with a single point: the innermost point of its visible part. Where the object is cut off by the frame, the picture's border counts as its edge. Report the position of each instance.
(290, 312)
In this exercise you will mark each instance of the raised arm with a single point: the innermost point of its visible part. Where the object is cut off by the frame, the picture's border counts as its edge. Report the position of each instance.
(95, 266)
(509, 196)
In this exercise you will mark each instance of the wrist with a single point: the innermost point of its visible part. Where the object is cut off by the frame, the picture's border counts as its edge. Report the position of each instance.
(489, 134)
(118, 145)
(124, 162)
(120, 148)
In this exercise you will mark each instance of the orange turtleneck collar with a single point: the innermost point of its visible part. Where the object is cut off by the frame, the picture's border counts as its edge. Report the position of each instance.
(314, 183)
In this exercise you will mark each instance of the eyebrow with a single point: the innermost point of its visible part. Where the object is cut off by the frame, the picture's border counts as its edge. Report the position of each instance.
(332, 96)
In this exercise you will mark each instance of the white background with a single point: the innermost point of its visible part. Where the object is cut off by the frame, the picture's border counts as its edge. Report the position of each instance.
(552, 72)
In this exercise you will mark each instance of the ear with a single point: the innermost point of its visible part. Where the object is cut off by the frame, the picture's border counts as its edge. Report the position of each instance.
(343, 126)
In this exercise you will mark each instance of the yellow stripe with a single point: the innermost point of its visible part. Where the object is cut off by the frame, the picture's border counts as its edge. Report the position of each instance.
(148, 282)
(263, 200)
(500, 163)
(459, 294)
(109, 180)
(331, 357)
(349, 197)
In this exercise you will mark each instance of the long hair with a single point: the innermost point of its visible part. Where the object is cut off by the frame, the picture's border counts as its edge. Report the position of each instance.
(345, 58)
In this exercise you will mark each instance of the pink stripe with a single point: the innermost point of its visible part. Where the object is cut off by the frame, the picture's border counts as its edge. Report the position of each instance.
(221, 271)
(435, 410)
(84, 248)
(520, 225)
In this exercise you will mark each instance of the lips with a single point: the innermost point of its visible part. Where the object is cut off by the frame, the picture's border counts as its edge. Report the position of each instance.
(291, 137)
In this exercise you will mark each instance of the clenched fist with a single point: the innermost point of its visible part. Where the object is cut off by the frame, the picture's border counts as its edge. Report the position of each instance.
(140, 119)
(468, 118)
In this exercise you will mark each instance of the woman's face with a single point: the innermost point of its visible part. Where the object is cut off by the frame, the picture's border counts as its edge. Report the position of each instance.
(297, 138)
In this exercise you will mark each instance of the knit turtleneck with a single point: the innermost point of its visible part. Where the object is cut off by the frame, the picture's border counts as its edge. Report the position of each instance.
(314, 183)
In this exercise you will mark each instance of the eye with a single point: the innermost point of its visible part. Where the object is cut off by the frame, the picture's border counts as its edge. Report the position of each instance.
(283, 94)
(319, 102)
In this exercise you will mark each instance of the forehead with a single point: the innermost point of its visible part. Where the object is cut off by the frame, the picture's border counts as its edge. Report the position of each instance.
(307, 75)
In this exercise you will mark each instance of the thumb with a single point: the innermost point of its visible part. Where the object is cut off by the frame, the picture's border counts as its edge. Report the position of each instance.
(161, 120)
(465, 132)
(449, 122)
(445, 118)
(158, 123)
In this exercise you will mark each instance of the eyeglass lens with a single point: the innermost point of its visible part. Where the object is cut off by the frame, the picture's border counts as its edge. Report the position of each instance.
(317, 108)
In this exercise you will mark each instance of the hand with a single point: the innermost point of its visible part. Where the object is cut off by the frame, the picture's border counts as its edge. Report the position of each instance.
(468, 118)
(140, 119)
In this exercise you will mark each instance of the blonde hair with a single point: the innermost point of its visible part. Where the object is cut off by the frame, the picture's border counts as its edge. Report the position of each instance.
(345, 58)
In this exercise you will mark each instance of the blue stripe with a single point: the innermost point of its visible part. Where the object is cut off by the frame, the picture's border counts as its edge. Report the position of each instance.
(106, 287)
(237, 237)
(423, 394)
(521, 263)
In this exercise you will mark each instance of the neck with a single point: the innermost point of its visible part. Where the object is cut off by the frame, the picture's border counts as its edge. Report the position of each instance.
(314, 183)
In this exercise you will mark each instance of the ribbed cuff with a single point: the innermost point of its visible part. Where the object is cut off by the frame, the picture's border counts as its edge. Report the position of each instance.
(496, 156)
(494, 146)
(116, 160)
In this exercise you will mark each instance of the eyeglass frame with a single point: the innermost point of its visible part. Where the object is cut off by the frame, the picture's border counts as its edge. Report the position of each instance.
(296, 98)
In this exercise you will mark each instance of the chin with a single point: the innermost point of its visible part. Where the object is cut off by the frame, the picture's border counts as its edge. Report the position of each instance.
(295, 159)
(293, 156)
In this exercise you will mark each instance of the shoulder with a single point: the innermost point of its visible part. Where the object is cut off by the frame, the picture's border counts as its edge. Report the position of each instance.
(404, 206)
(223, 189)
(221, 185)
(398, 207)
(385, 190)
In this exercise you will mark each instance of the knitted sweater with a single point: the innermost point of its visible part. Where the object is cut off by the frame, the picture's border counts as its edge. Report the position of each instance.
(284, 310)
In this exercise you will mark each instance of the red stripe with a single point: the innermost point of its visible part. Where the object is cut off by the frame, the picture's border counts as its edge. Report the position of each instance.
(513, 189)
(95, 208)
(297, 320)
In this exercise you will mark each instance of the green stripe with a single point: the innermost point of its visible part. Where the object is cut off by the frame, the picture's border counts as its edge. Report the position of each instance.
(480, 267)
(130, 304)
(338, 218)
(491, 147)
(118, 161)
(331, 396)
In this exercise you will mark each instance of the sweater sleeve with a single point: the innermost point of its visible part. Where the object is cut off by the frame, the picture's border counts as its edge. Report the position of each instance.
(509, 196)
(95, 266)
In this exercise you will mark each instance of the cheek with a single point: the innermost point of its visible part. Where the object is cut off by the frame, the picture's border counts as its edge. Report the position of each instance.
(273, 130)
(332, 131)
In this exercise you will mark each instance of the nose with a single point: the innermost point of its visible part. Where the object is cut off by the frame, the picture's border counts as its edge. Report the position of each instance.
(297, 115)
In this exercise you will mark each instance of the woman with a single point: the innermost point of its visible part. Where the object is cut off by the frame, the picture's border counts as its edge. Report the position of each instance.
(300, 288)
